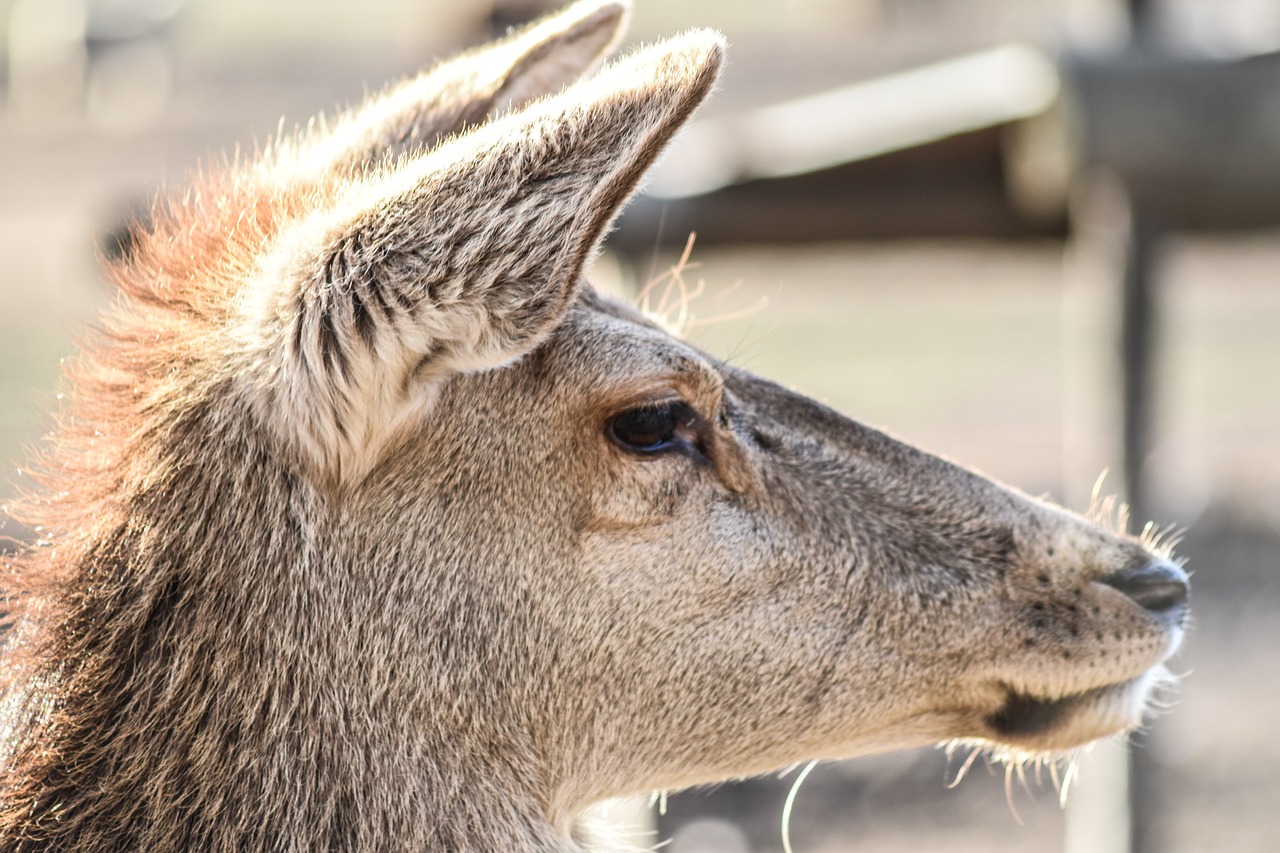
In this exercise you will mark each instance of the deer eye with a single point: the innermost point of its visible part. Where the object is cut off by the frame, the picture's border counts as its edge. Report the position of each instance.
(654, 428)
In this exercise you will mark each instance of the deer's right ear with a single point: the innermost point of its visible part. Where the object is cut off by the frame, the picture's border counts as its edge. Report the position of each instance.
(463, 259)
(534, 61)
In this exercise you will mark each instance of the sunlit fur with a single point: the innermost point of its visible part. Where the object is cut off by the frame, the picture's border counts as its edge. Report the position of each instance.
(339, 548)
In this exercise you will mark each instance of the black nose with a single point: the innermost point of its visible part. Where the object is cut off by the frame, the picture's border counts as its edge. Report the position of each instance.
(1159, 587)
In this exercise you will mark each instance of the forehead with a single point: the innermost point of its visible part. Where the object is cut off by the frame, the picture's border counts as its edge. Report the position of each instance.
(609, 346)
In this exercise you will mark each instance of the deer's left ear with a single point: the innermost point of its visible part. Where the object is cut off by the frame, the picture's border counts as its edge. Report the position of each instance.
(464, 259)
(534, 61)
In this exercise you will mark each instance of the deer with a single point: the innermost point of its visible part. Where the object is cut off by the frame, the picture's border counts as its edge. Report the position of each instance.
(368, 524)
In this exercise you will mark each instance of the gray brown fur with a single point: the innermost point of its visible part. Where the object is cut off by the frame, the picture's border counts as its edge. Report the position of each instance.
(338, 553)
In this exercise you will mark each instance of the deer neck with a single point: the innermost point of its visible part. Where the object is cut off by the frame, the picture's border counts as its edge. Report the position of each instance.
(227, 695)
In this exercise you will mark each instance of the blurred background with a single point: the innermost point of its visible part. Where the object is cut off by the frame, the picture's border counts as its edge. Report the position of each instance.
(1041, 237)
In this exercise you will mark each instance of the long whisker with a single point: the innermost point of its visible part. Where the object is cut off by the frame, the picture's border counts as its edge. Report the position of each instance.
(791, 801)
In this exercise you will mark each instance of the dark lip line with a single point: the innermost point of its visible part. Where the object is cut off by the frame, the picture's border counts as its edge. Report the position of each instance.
(1024, 715)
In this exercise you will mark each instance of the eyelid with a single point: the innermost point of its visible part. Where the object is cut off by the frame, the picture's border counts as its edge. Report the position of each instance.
(659, 389)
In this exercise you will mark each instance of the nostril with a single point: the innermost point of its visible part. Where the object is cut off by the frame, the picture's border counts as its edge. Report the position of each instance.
(1158, 586)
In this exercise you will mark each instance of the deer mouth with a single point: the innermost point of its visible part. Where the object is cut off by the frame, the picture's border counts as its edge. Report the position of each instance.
(1024, 716)
(1064, 722)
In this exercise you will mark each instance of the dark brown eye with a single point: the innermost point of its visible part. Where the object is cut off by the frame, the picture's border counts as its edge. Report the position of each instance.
(653, 428)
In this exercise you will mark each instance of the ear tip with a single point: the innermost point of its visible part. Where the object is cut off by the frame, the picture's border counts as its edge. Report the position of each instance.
(613, 8)
(613, 13)
(705, 37)
(700, 51)
(680, 66)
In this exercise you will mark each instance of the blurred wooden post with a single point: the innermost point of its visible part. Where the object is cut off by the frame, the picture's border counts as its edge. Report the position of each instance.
(1111, 809)
(1138, 329)
(1137, 337)
(1120, 815)
(503, 15)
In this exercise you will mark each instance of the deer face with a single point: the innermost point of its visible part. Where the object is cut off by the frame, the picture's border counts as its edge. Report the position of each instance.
(717, 576)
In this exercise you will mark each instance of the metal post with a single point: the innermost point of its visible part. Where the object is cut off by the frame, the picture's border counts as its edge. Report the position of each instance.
(1137, 344)
(1137, 305)
(1141, 13)
(1111, 811)
(1137, 339)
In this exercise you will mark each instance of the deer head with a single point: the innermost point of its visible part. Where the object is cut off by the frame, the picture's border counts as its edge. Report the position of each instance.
(374, 526)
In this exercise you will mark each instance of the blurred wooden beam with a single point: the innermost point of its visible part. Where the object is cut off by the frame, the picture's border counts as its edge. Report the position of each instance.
(1197, 139)
(953, 187)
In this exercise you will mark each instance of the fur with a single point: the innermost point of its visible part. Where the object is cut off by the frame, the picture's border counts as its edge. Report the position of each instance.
(341, 548)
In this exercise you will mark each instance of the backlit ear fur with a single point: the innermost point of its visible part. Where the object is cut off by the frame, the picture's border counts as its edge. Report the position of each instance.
(463, 259)
(537, 60)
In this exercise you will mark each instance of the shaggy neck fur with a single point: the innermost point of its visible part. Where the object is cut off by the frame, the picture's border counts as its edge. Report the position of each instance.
(204, 688)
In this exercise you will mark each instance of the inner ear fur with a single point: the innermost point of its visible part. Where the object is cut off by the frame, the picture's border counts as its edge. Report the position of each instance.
(462, 259)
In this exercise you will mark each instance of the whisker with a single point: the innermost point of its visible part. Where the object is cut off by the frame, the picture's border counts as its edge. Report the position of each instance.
(974, 752)
(1008, 793)
(790, 803)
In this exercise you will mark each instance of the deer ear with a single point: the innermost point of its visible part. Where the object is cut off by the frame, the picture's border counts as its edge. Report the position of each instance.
(557, 50)
(463, 259)
(534, 61)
